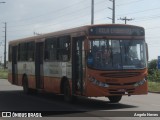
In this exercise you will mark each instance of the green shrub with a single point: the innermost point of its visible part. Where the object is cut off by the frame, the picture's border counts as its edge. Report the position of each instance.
(3, 74)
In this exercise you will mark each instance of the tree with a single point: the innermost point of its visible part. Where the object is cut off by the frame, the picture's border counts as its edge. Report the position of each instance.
(152, 65)
(154, 73)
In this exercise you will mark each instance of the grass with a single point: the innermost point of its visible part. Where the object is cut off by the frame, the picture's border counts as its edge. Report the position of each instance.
(3, 74)
(154, 86)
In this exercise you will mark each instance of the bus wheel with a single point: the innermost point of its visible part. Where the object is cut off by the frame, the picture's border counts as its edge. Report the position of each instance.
(67, 92)
(26, 90)
(114, 99)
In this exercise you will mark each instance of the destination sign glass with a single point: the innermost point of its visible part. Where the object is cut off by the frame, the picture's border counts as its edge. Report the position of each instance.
(116, 31)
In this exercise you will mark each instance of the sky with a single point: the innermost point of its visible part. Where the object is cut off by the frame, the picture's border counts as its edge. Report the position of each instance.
(26, 17)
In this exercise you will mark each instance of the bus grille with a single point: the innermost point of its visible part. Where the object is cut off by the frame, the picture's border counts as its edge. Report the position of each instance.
(127, 91)
(120, 74)
(121, 84)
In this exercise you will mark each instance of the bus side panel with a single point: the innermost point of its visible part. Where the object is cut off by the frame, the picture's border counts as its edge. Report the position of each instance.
(19, 82)
(31, 81)
(20, 76)
(28, 69)
(53, 73)
(52, 84)
(21, 71)
(10, 72)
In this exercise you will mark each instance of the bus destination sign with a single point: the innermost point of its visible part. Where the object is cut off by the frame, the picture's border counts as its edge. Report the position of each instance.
(116, 31)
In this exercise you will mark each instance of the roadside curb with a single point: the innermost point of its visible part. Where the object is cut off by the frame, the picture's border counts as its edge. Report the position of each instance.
(154, 92)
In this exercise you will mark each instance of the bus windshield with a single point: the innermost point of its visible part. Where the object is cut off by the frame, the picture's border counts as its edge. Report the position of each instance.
(117, 54)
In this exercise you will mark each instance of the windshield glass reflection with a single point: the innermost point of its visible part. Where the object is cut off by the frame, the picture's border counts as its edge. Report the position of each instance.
(117, 54)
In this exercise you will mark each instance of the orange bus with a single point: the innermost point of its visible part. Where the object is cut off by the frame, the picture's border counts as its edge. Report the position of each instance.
(93, 61)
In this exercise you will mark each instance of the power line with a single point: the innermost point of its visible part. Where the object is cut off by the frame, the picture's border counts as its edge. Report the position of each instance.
(139, 11)
(76, 3)
(66, 20)
(59, 16)
(153, 28)
(55, 11)
(72, 19)
(62, 16)
(130, 2)
(146, 19)
(66, 14)
(47, 13)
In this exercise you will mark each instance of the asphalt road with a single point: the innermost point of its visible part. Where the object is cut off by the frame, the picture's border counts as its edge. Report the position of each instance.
(12, 98)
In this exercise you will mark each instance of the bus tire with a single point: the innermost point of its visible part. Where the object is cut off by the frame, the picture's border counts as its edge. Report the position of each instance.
(114, 99)
(67, 91)
(26, 89)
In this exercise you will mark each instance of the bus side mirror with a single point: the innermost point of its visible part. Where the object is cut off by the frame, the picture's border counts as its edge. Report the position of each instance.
(147, 52)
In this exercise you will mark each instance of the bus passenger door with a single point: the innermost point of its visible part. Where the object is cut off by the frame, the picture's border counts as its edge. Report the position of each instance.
(39, 65)
(77, 64)
(14, 65)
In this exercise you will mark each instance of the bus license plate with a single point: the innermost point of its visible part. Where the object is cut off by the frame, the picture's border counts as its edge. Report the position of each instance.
(121, 90)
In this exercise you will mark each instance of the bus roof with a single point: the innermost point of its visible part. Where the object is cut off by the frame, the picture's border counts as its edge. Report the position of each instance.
(83, 29)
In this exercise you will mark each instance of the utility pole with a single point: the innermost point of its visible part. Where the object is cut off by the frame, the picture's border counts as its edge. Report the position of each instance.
(113, 11)
(92, 12)
(5, 41)
(126, 19)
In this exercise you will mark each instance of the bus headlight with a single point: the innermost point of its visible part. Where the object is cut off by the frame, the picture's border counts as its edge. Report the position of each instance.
(140, 82)
(98, 83)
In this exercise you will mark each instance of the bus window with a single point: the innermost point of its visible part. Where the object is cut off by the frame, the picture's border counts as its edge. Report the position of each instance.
(57, 49)
(22, 52)
(50, 49)
(26, 51)
(63, 50)
(30, 51)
